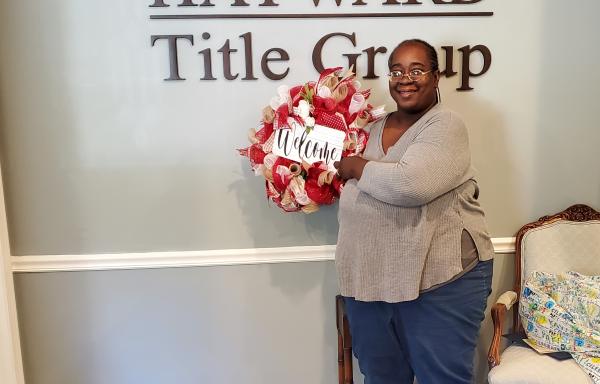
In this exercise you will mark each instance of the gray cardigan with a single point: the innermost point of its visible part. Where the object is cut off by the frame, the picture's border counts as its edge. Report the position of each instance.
(401, 224)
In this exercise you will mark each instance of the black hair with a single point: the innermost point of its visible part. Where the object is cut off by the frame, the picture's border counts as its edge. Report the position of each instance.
(431, 52)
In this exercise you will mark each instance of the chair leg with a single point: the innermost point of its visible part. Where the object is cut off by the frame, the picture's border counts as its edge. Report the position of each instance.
(338, 320)
(348, 372)
(345, 373)
(340, 359)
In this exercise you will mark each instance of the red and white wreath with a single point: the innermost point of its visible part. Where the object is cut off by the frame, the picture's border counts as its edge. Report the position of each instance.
(303, 131)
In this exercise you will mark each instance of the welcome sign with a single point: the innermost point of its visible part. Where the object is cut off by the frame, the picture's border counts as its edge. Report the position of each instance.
(309, 145)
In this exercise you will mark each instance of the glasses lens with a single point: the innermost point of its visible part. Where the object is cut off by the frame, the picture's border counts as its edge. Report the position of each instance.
(415, 75)
(395, 76)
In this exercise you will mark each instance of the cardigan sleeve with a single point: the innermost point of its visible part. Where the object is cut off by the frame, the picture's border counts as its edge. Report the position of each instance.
(437, 161)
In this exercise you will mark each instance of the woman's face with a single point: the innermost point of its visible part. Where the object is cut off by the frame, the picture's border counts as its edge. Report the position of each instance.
(413, 96)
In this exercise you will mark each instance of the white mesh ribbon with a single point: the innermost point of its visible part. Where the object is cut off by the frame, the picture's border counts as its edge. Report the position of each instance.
(356, 103)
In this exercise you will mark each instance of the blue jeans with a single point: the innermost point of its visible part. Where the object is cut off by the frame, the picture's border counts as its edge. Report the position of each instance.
(432, 337)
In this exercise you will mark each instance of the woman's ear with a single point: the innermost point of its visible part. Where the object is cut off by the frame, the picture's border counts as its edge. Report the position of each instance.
(436, 78)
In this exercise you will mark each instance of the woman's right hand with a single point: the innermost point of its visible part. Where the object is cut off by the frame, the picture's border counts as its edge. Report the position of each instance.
(350, 167)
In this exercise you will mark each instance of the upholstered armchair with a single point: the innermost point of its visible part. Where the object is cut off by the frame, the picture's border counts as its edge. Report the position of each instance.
(566, 241)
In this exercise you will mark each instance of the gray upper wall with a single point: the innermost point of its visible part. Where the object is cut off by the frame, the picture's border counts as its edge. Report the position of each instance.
(99, 154)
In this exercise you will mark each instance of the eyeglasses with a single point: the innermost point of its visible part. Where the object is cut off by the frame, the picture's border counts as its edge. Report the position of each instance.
(413, 75)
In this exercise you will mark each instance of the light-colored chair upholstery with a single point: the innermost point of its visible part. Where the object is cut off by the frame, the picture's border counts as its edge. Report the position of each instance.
(562, 246)
(523, 365)
(567, 241)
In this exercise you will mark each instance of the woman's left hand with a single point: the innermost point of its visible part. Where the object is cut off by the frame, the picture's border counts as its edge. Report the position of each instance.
(350, 167)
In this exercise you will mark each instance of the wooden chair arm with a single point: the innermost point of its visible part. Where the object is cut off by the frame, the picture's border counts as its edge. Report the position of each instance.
(499, 309)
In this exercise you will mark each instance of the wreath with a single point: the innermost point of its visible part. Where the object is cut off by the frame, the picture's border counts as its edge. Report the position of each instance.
(302, 132)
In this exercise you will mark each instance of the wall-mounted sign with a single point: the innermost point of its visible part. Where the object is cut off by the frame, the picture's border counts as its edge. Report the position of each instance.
(215, 65)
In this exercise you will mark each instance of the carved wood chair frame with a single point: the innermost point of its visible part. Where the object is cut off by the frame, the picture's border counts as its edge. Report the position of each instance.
(579, 213)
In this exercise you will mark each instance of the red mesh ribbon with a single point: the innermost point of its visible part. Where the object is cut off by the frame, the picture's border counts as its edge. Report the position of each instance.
(254, 153)
(332, 121)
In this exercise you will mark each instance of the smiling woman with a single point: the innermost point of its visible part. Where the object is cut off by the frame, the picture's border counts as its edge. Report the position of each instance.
(414, 78)
(414, 257)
